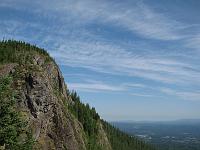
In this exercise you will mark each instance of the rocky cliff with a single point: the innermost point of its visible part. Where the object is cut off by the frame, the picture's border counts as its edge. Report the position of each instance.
(42, 99)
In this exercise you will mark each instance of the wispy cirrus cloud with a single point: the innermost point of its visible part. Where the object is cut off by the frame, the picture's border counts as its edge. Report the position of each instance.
(186, 95)
(142, 95)
(95, 87)
(135, 85)
(113, 59)
(135, 17)
(147, 23)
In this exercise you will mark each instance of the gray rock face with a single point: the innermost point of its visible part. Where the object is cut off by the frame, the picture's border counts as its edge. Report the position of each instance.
(42, 97)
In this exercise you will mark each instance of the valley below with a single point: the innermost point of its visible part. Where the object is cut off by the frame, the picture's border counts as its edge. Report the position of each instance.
(169, 135)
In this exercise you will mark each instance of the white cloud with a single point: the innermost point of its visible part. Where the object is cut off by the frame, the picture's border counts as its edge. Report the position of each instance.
(135, 85)
(94, 87)
(142, 95)
(113, 59)
(139, 18)
(193, 96)
(135, 17)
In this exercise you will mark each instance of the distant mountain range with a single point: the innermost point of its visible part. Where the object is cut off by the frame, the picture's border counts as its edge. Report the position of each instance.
(178, 121)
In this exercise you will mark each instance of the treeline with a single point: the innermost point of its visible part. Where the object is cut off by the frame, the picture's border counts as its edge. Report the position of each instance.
(11, 123)
(90, 118)
(86, 115)
(20, 52)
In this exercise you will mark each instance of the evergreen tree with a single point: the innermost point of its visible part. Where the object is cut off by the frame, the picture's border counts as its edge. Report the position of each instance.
(11, 125)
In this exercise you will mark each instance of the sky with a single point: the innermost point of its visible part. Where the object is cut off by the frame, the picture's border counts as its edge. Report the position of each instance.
(131, 59)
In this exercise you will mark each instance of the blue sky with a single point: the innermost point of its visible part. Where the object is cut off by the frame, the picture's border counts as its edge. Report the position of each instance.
(131, 60)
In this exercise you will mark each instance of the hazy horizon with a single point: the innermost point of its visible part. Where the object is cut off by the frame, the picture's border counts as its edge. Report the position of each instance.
(131, 60)
(161, 120)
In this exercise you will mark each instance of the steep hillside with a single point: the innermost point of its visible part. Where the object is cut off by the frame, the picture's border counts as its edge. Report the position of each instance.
(38, 111)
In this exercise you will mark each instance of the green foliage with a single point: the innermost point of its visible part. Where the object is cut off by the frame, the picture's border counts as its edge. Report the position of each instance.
(12, 51)
(86, 115)
(11, 125)
(93, 143)
(89, 119)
